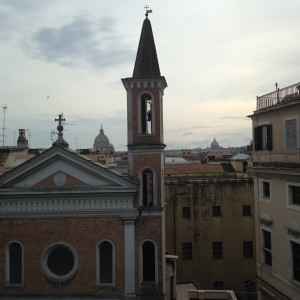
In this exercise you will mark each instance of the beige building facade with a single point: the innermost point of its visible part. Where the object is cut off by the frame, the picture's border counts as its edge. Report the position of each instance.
(276, 173)
(210, 227)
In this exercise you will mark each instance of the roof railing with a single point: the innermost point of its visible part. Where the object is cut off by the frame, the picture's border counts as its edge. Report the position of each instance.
(278, 96)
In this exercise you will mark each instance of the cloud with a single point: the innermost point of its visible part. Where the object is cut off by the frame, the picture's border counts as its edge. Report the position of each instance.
(82, 41)
(234, 118)
(188, 133)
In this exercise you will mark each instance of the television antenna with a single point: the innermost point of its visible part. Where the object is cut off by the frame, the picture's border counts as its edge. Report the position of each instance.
(3, 128)
(29, 135)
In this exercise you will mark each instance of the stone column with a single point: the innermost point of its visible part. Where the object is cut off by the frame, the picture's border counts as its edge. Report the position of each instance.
(129, 257)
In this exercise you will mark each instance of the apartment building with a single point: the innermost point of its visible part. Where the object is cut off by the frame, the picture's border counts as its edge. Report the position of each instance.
(210, 227)
(276, 173)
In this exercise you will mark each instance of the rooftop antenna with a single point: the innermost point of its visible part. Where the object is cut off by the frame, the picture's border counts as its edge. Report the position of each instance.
(53, 133)
(29, 135)
(3, 128)
(148, 11)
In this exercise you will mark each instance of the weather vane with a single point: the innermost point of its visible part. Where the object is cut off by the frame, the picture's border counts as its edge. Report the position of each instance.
(148, 11)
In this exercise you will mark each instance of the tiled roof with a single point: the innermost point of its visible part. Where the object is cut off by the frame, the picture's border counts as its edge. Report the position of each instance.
(197, 168)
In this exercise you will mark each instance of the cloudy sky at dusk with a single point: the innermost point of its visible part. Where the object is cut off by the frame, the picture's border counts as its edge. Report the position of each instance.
(216, 56)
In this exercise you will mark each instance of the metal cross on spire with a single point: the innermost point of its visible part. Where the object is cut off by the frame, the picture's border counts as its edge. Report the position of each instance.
(60, 119)
(148, 11)
(60, 141)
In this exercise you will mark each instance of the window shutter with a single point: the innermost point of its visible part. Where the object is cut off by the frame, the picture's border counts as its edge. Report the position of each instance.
(256, 139)
(269, 137)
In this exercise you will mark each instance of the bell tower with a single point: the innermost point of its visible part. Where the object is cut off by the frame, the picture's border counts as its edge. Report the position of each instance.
(145, 139)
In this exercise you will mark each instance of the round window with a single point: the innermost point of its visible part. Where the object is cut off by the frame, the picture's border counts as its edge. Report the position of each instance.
(59, 262)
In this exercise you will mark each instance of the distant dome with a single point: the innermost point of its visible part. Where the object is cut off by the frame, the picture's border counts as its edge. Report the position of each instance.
(214, 144)
(101, 138)
(102, 145)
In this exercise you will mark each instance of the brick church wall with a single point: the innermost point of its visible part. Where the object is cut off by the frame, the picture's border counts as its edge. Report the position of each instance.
(83, 234)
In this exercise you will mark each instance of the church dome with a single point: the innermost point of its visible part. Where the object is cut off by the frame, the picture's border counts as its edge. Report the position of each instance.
(101, 139)
(214, 144)
(102, 145)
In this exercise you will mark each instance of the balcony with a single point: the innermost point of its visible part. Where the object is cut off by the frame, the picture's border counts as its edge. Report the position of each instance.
(278, 96)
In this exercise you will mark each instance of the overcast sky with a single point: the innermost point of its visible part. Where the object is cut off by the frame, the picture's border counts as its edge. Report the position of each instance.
(216, 56)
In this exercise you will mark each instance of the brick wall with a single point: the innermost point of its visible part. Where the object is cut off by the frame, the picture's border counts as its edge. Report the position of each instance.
(83, 234)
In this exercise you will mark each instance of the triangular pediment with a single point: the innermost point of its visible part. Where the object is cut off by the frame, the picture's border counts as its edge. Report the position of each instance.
(62, 168)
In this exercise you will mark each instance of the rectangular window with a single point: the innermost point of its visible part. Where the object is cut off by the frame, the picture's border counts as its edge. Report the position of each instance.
(218, 285)
(187, 251)
(247, 210)
(249, 286)
(293, 194)
(217, 250)
(265, 190)
(291, 134)
(216, 211)
(267, 247)
(248, 249)
(263, 137)
(296, 261)
(186, 212)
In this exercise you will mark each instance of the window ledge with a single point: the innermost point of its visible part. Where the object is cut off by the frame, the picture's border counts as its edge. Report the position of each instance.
(295, 283)
(293, 207)
(106, 286)
(268, 267)
(19, 286)
(146, 134)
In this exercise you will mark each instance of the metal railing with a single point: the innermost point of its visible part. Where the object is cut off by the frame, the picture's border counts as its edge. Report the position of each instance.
(278, 96)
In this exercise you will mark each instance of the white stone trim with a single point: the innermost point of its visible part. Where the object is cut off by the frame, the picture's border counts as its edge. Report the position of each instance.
(98, 267)
(129, 257)
(261, 190)
(141, 260)
(7, 267)
(130, 83)
(48, 273)
(139, 110)
(289, 203)
(295, 240)
(64, 205)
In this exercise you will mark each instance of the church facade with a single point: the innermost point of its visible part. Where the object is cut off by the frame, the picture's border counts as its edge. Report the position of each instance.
(73, 229)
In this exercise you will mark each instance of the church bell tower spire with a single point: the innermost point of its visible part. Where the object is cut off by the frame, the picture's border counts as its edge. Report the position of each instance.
(145, 91)
(145, 139)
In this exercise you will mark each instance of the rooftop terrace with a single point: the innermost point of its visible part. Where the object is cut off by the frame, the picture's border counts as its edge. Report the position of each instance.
(278, 96)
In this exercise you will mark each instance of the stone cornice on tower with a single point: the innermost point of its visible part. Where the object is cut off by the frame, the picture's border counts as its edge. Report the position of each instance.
(147, 82)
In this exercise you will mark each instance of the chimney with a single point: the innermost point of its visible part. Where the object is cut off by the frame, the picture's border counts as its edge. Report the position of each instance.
(22, 142)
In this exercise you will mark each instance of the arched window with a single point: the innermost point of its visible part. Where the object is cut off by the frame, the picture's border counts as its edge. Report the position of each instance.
(146, 113)
(147, 188)
(105, 263)
(148, 261)
(14, 264)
